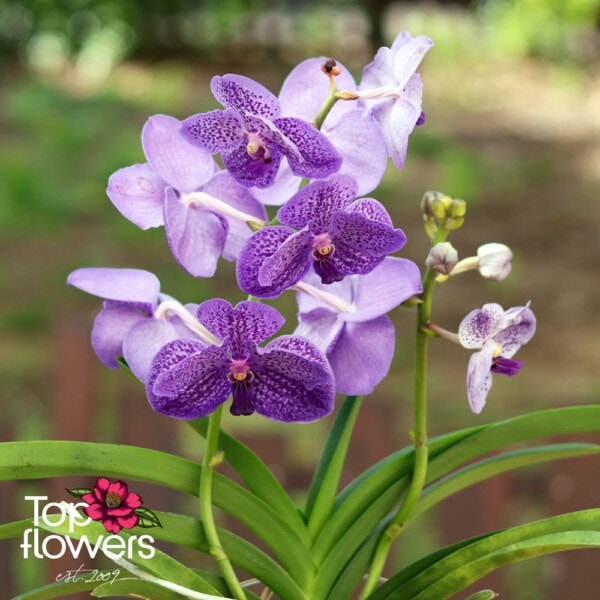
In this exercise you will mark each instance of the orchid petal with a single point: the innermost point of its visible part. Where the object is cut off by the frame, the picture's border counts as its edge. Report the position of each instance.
(196, 236)
(138, 193)
(182, 165)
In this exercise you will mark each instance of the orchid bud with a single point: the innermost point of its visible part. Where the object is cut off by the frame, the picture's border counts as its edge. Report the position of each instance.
(494, 261)
(442, 258)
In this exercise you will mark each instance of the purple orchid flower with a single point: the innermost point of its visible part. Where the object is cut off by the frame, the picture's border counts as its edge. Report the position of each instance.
(136, 319)
(253, 138)
(340, 236)
(393, 91)
(348, 321)
(498, 334)
(181, 187)
(287, 380)
(356, 137)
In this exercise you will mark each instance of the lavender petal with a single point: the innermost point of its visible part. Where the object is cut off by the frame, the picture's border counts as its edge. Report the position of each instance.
(196, 237)
(362, 355)
(480, 325)
(136, 287)
(138, 193)
(182, 165)
(479, 377)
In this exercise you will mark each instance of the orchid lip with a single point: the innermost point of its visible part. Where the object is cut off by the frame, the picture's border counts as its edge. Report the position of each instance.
(506, 366)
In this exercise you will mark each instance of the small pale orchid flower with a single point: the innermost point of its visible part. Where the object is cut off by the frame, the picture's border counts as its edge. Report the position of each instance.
(497, 334)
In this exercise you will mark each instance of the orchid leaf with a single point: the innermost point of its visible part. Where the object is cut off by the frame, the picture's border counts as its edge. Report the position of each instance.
(463, 566)
(325, 483)
(489, 467)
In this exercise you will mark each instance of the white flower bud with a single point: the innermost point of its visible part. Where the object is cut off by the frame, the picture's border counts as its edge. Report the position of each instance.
(494, 261)
(442, 258)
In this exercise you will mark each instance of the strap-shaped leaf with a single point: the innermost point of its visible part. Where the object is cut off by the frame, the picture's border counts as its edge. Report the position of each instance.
(489, 467)
(465, 565)
(326, 480)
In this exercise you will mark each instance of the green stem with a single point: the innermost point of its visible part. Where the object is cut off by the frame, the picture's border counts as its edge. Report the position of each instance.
(418, 435)
(212, 458)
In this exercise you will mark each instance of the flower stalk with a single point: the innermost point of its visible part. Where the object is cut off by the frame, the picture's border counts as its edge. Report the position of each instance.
(212, 458)
(418, 435)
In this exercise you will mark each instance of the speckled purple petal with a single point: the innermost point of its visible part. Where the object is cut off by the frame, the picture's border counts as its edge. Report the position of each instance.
(262, 245)
(479, 376)
(225, 188)
(187, 380)
(110, 328)
(287, 365)
(146, 338)
(518, 332)
(196, 236)
(318, 202)
(288, 264)
(138, 193)
(182, 165)
(245, 95)
(214, 131)
(361, 244)
(247, 321)
(480, 325)
(319, 159)
(251, 171)
(362, 355)
(372, 209)
(131, 286)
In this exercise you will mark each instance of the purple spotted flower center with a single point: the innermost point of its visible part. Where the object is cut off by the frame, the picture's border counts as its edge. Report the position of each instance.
(322, 253)
(506, 366)
(242, 387)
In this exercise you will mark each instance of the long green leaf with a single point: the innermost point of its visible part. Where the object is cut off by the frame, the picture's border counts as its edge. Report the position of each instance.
(546, 423)
(326, 480)
(471, 572)
(49, 458)
(412, 581)
(489, 467)
(256, 475)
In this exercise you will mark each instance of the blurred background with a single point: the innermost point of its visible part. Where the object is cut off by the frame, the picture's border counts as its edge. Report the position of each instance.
(512, 98)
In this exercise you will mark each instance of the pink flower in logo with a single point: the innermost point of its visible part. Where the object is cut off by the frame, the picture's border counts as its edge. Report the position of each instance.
(112, 504)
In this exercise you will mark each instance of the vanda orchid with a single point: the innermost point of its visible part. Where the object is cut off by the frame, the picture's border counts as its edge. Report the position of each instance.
(285, 186)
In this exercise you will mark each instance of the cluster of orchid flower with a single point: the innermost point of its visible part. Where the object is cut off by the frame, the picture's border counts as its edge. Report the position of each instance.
(315, 152)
